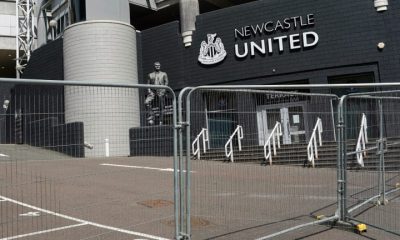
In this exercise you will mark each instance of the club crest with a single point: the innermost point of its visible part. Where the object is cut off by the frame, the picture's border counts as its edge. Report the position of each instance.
(212, 51)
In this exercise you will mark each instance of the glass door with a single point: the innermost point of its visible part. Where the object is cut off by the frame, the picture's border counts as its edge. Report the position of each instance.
(296, 124)
(291, 119)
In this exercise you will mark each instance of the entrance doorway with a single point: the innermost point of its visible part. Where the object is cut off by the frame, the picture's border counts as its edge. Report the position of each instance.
(220, 117)
(219, 130)
(290, 117)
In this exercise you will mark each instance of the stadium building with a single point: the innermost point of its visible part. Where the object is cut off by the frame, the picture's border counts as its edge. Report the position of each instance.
(207, 43)
(7, 38)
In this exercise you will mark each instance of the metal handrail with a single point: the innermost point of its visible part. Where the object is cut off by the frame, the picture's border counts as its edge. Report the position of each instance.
(239, 132)
(312, 147)
(275, 134)
(196, 143)
(362, 140)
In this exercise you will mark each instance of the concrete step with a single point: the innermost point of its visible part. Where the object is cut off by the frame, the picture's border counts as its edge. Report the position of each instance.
(350, 167)
(392, 162)
(283, 158)
(296, 147)
(281, 153)
(296, 155)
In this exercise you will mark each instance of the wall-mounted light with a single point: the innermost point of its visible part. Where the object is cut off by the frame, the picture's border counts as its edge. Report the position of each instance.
(53, 26)
(381, 5)
(5, 104)
(381, 45)
(53, 23)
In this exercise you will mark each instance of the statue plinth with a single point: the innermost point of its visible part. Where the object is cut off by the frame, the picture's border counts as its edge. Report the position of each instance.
(154, 140)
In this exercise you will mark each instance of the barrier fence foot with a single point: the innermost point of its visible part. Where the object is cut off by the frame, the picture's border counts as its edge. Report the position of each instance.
(345, 226)
(352, 226)
(183, 236)
(360, 228)
(381, 201)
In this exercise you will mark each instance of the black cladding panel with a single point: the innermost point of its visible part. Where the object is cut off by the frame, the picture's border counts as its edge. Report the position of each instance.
(348, 36)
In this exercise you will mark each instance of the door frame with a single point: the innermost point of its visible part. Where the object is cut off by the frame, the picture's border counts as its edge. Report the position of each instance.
(261, 121)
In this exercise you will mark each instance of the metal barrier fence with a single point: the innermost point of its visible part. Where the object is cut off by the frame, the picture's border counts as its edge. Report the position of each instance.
(373, 187)
(250, 198)
(82, 160)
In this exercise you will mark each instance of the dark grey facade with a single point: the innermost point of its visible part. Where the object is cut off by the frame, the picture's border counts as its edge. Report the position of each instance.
(348, 36)
(47, 62)
(41, 121)
(346, 51)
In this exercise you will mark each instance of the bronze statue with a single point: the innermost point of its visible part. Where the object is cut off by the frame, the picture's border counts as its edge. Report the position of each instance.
(157, 77)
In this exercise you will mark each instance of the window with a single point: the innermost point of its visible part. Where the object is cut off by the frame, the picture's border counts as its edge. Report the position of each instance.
(355, 107)
(78, 12)
(58, 29)
(62, 23)
(351, 78)
(66, 17)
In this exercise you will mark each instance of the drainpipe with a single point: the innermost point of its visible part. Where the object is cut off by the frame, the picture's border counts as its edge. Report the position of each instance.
(189, 9)
(381, 5)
